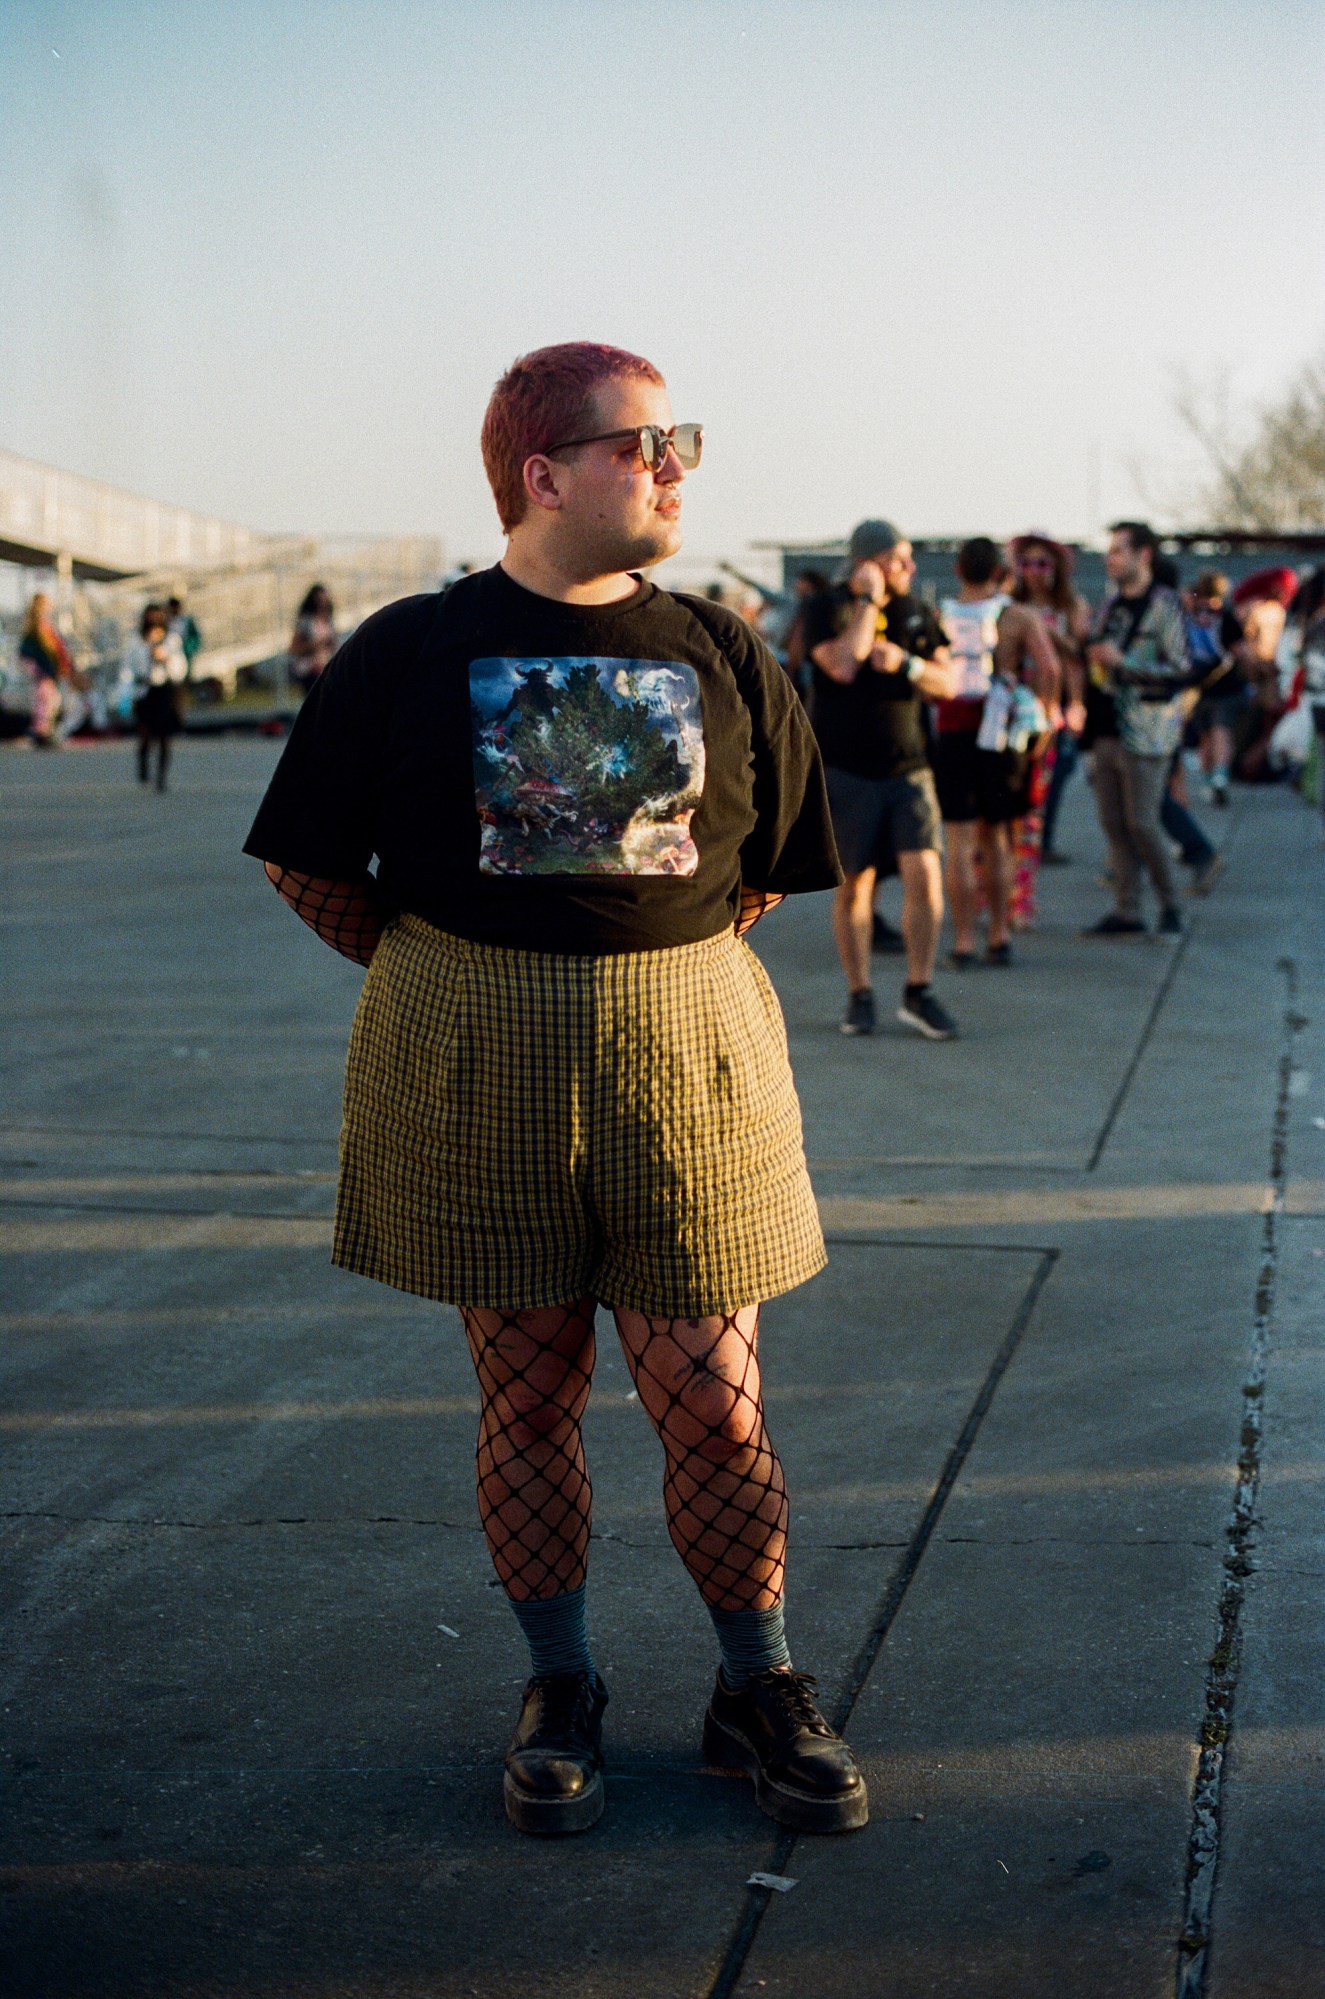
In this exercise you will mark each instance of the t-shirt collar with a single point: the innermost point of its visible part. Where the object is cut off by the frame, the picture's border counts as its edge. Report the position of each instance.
(531, 601)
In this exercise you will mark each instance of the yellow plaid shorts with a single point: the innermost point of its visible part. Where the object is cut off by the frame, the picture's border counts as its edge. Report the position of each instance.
(525, 1128)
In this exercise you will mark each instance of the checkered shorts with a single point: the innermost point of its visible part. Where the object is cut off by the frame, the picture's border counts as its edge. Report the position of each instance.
(525, 1128)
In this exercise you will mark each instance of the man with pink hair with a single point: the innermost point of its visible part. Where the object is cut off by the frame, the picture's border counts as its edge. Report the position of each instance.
(568, 1078)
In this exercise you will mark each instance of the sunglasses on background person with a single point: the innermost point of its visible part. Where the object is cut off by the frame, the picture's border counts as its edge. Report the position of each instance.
(685, 439)
(1035, 562)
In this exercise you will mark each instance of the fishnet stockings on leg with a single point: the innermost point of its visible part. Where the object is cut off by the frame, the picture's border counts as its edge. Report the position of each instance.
(725, 1495)
(534, 1499)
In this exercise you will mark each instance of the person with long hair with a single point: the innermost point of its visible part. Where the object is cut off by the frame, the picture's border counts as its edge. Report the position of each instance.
(155, 666)
(45, 658)
(313, 641)
(983, 761)
(1043, 581)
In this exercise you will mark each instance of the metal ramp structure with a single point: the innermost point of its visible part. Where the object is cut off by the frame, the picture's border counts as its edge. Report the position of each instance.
(112, 551)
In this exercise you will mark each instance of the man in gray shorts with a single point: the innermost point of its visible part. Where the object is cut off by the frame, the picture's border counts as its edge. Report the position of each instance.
(879, 654)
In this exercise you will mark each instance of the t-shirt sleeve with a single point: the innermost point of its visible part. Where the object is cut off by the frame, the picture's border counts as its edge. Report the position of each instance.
(790, 849)
(320, 812)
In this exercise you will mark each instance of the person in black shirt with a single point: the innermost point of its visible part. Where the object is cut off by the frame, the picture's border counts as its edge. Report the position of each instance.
(568, 1077)
(879, 654)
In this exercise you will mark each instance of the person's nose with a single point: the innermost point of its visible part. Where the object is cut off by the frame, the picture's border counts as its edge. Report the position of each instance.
(671, 471)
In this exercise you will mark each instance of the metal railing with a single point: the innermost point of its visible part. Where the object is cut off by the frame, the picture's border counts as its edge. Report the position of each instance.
(52, 514)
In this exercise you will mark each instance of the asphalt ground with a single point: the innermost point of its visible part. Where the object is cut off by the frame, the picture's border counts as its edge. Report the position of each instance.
(1052, 1421)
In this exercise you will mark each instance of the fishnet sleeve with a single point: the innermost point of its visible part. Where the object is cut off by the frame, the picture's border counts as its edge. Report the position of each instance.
(344, 914)
(755, 902)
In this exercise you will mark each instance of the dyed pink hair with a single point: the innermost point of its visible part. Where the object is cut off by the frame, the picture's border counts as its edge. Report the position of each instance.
(543, 398)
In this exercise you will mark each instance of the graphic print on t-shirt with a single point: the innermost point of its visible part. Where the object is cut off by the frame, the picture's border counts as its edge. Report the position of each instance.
(586, 766)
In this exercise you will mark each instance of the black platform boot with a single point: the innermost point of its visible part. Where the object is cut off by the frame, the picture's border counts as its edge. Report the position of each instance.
(554, 1765)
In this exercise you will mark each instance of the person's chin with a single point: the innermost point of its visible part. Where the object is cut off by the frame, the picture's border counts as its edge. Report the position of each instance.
(663, 539)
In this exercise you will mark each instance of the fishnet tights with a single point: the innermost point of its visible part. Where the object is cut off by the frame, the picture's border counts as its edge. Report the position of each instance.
(344, 914)
(698, 1380)
(534, 1498)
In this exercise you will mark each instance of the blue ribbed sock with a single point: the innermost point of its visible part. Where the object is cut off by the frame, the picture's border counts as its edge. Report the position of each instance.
(752, 1641)
(557, 1633)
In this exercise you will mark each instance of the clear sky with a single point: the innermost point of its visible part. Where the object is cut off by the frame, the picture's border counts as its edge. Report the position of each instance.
(939, 261)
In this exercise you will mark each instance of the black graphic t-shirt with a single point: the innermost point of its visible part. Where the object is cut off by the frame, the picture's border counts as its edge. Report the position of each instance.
(875, 725)
(553, 776)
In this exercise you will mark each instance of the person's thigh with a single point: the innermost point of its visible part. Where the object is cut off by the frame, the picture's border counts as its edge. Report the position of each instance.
(694, 1159)
(858, 807)
(1002, 785)
(922, 874)
(697, 1378)
(1108, 787)
(954, 777)
(913, 811)
(1144, 783)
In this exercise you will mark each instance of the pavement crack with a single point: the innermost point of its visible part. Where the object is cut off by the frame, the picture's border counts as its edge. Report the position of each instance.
(1074, 1541)
(1152, 1022)
(730, 1970)
(1203, 1845)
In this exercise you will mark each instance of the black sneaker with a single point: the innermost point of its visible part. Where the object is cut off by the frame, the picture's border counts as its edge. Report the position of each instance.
(884, 939)
(999, 954)
(859, 1016)
(1051, 858)
(1170, 923)
(961, 961)
(922, 1011)
(1114, 925)
(805, 1776)
(554, 1764)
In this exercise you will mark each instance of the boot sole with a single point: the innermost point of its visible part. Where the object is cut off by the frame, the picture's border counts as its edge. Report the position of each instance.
(728, 1750)
(550, 1818)
(909, 1019)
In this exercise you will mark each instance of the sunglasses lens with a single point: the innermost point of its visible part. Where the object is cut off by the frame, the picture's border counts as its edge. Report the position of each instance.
(688, 441)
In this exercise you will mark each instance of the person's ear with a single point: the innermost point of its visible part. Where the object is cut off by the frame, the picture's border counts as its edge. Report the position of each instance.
(541, 479)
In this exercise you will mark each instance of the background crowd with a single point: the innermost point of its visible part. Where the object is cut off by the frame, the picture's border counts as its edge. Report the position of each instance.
(951, 730)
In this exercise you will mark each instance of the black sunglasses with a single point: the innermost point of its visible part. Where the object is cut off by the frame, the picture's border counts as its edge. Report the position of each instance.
(685, 439)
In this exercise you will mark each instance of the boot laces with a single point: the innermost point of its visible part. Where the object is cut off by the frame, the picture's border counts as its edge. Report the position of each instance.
(564, 1702)
(796, 1694)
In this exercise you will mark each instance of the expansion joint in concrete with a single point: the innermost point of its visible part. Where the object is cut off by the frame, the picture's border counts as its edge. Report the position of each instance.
(1203, 1846)
(261, 1520)
(729, 1971)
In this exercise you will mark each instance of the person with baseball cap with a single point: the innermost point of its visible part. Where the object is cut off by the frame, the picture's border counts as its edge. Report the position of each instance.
(879, 655)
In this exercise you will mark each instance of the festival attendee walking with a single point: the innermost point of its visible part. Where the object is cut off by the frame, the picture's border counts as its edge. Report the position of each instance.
(568, 1078)
(1042, 572)
(984, 785)
(45, 658)
(1138, 665)
(156, 668)
(314, 639)
(879, 654)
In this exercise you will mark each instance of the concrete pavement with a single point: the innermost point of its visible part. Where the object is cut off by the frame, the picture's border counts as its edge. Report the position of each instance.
(1055, 1408)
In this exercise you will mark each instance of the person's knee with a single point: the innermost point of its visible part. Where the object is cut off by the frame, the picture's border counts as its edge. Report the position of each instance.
(922, 879)
(856, 893)
(733, 1429)
(532, 1413)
